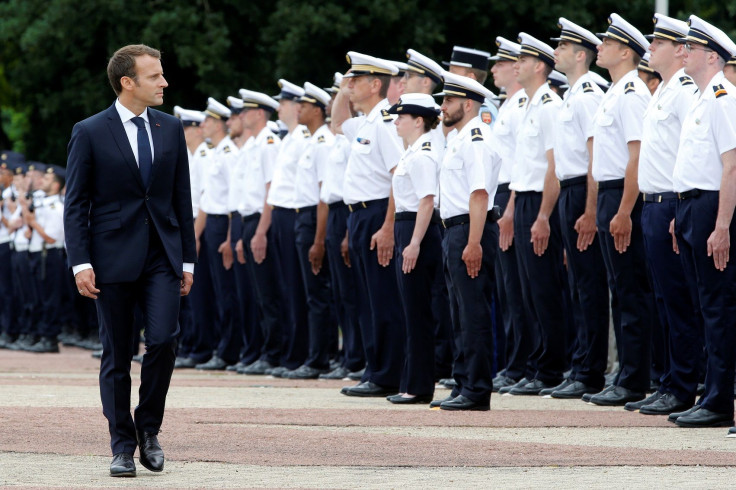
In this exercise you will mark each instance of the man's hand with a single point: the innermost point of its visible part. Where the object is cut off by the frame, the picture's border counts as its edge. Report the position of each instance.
(719, 243)
(85, 281)
(187, 279)
(227, 254)
(473, 256)
(258, 247)
(505, 232)
(316, 256)
(585, 226)
(621, 231)
(345, 250)
(410, 255)
(383, 240)
(240, 252)
(540, 235)
(674, 238)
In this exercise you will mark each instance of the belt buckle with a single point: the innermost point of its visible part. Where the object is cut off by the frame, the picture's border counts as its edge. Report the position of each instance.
(679, 196)
(297, 210)
(350, 207)
(444, 225)
(659, 198)
(363, 204)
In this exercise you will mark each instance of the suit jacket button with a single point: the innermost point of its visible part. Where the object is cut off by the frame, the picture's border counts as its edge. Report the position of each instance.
(146, 221)
(146, 197)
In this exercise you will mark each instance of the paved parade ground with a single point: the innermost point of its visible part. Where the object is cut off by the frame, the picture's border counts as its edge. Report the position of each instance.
(225, 430)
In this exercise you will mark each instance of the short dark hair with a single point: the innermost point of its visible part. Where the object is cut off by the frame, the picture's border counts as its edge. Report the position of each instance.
(385, 82)
(60, 180)
(480, 75)
(430, 122)
(122, 63)
(589, 54)
(547, 69)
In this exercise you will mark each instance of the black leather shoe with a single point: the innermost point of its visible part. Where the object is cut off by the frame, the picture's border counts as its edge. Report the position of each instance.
(463, 403)
(369, 389)
(235, 367)
(576, 389)
(151, 455)
(520, 383)
(665, 405)
(305, 372)
(731, 432)
(448, 383)
(402, 400)
(634, 406)
(675, 415)
(97, 354)
(184, 363)
(344, 389)
(44, 346)
(501, 382)
(337, 373)
(257, 368)
(357, 375)
(279, 372)
(437, 403)
(531, 388)
(586, 397)
(548, 391)
(5, 340)
(705, 418)
(138, 358)
(616, 397)
(214, 364)
(122, 465)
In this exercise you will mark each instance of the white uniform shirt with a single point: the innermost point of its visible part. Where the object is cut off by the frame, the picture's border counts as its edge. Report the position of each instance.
(20, 242)
(574, 127)
(259, 171)
(535, 136)
(50, 217)
(469, 164)
(709, 130)
(660, 139)
(237, 176)
(283, 188)
(36, 243)
(505, 130)
(337, 162)
(197, 163)
(415, 176)
(310, 170)
(216, 177)
(4, 200)
(617, 122)
(375, 149)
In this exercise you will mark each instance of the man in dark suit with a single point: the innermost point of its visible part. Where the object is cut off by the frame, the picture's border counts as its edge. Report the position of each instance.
(130, 240)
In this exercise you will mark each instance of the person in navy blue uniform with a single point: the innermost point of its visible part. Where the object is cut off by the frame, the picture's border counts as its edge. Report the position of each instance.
(130, 241)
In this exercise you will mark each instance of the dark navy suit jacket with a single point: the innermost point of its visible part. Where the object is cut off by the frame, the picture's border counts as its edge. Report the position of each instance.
(108, 212)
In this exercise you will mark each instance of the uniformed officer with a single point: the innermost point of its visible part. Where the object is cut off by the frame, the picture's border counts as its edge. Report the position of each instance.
(418, 242)
(375, 152)
(650, 76)
(729, 71)
(575, 52)
(558, 82)
(258, 245)
(536, 219)
(517, 323)
(473, 63)
(468, 181)
(616, 142)
(704, 178)
(213, 221)
(8, 162)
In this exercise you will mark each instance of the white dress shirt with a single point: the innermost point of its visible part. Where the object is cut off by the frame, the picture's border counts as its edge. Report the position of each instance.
(337, 162)
(505, 129)
(197, 162)
(216, 177)
(415, 176)
(283, 188)
(259, 171)
(310, 169)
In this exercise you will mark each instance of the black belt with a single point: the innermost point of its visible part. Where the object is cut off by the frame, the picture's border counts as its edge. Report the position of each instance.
(658, 197)
(412, 216)
(305, 209)
(366, 204)
(462, 219)
(582, 179)
(250, 217)
(235, 215)
(689, 194)
(337, 205)
(611, 184)
(503, 188)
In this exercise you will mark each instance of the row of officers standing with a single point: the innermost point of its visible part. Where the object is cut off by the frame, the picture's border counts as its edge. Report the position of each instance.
(411, 225)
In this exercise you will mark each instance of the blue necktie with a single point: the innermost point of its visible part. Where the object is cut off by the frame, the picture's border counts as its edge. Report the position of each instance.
(145, 156)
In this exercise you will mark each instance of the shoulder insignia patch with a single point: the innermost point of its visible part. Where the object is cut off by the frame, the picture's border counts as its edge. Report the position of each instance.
(52, 206)
(719, 90)
(270, 140)
(546, 98)
(427, 146)
(588, 87)
(226, 149)
(476, 135)
(522, 101)
(386, 115)
(321, 139)
(306, 133)
(203, 153)
(210, 145)
(629, 88)
(686, 80)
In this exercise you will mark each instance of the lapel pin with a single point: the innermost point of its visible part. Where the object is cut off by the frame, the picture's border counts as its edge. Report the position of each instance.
(158, 125)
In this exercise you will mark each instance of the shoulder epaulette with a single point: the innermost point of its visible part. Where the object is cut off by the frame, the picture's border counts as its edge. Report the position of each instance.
(226, 149)
(306, 133)
(476, 135)
(269, 140)
(546, 98)
(719, 90)
(203, 153)
(522, 101)
(321, 139)
(629, 88)
(588, 87)
(386, 115)
(686, 80)
(427, 146)
(210, 145)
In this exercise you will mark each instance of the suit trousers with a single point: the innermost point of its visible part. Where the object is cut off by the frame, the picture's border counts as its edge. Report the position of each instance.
(244, 301)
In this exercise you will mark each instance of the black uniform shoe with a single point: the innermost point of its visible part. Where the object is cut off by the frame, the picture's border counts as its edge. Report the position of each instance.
(138, 358)
(548, 391)
(337, 373)
(278, 372)
(587, 396)
(305, 372)
(705, 418)
(576, 389)
(437, 403)
(701, 389)
(357, 375)
(731, 432)
(151, 455)
(520, 383)
(666, 404)
(618, 396)
(235, 367)
(463, 403)
(184, 363)
(369, 389)
(122, 465)
(634, 406)
(402, 400)
(531, 388)
(5, 340)
(675, 415)
(97, 354)
(257, 368)
(611, 378)
(214, 364)
(501, 382)
(45, 345)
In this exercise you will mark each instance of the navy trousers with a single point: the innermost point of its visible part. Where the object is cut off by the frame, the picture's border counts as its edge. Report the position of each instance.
(383, 337)
(628, 274)
(344, 292)
(202, 339)
(444, 340)
(588, 289)
(415, 289)
(696, 218)
(245, 303)
(47, 269)
(470, 307)
(24, 297)
(542, 289)
(156, 293)
(6, 288)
